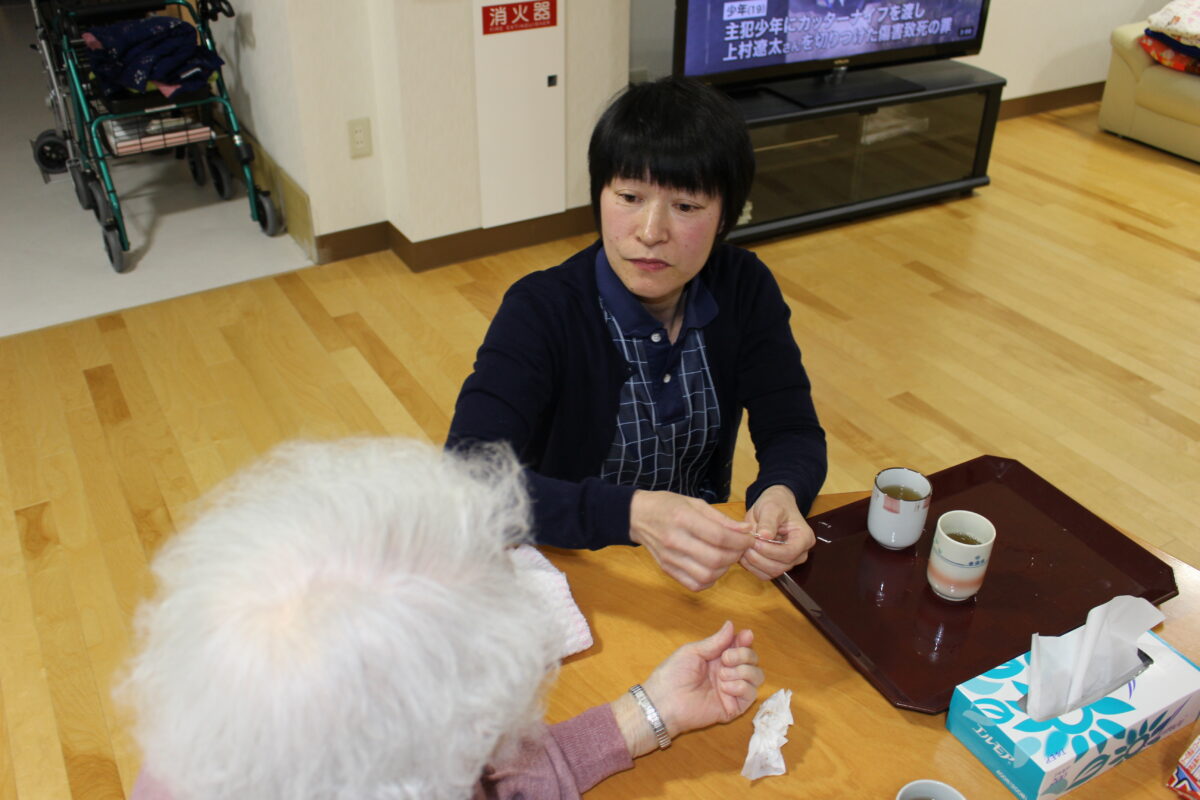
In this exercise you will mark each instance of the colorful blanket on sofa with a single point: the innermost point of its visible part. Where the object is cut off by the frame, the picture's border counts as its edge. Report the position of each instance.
(1169, 56)
(1179, 19)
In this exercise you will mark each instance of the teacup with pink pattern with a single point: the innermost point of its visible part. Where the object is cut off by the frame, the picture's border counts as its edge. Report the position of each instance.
(958, 559)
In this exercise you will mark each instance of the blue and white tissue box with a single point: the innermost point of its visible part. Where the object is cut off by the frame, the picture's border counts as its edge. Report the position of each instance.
(1043, 760)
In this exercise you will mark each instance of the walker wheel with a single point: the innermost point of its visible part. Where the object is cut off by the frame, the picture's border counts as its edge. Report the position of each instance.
(269, 218)
(222, 178)
(82, 193)
(50, 152)
(112, 246)
(100, 206)
(195, 159)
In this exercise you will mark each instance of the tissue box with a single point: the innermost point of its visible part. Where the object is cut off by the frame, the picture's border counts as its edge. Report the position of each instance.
(1038, 760)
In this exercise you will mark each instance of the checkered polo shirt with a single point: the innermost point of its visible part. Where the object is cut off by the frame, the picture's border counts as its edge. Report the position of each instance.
(668, 419)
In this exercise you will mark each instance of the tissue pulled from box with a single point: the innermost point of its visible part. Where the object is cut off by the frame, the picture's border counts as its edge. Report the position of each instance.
(765, 756)
(1089, 662)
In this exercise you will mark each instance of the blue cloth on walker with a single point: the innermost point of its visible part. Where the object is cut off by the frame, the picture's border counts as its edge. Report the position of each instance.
(160, 49)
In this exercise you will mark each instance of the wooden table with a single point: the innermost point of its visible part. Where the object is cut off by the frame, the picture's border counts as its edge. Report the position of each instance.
(847, 740)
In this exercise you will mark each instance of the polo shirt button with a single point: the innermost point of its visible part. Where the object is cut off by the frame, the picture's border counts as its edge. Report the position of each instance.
(667, 378)
(656, 337)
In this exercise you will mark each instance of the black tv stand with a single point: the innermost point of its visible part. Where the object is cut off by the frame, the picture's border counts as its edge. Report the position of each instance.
(898, 136)
(842, 86)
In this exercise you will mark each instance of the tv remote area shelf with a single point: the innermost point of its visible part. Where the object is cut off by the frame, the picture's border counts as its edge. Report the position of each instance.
(851, 152)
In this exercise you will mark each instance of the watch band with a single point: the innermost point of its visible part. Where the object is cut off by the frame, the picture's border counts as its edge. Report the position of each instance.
(652, 716)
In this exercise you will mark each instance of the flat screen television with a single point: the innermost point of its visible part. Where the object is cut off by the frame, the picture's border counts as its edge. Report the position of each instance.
(813, 51)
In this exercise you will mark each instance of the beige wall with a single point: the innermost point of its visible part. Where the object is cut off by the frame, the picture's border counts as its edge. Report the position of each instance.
(256, 46)
(300, 72)
(297, 75)
(333, 68)
(597, 68)
(1041, 46)
(436, 68)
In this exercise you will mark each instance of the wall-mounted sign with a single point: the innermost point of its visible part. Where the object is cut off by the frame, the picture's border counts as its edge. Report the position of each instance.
(507, 17)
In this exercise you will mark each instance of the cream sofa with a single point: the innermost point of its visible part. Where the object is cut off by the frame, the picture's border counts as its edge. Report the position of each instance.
(1146, 101)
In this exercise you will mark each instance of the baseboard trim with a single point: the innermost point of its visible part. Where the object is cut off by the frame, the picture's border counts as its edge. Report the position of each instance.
(486, 241)
(352, 242)
(456, 247)
(1050, 101)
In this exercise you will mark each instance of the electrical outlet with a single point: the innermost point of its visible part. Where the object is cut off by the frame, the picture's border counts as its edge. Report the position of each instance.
(360, 137)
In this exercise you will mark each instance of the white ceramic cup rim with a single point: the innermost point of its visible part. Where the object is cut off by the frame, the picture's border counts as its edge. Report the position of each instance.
(947, 792)
(987, 535)
(910, 477)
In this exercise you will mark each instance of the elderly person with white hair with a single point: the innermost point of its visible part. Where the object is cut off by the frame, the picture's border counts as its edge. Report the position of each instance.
(345, 620)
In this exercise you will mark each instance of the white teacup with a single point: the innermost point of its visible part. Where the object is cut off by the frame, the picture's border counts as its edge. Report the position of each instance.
(899, 502)
(958, 559)
(929, 790)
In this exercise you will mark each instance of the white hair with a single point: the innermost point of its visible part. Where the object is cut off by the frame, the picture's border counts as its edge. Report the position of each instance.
(342, 621)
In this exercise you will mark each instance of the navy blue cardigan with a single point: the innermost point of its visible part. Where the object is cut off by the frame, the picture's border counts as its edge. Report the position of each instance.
(547, 380)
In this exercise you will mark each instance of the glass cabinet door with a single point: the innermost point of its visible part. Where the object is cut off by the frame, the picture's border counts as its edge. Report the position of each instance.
(802, 166)
(916, 145)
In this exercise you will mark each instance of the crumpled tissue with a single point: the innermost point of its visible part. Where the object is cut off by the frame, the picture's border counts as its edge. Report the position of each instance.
(765, 756)
(1083, 665)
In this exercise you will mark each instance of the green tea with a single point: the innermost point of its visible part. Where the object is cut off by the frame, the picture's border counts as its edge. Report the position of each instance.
(964, 538)
(901, 492)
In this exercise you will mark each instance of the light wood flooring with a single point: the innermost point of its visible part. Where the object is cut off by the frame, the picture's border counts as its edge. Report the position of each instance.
(1054, 318)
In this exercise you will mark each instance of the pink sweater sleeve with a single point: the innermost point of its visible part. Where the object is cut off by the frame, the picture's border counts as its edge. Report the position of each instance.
(571, 757)
(147, 787)
(592, 745)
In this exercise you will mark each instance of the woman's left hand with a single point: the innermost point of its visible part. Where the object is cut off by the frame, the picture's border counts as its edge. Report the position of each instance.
(700, 684)
(706, 682)
(782, 536)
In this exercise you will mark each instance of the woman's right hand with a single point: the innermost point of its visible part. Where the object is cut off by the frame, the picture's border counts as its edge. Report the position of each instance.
(691, 541)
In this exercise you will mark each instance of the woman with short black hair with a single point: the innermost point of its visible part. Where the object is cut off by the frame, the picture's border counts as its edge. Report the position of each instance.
(683, 134)
(620, 376)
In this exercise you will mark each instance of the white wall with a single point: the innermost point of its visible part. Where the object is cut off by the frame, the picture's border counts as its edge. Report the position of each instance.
(299, 71)
(297, 74)
(332, 61)
(1041, 46)
(651, 38)
(597, 68)
(1037, 45)
(388, 118)
(430, 56)
(256, 46)
(433, 190)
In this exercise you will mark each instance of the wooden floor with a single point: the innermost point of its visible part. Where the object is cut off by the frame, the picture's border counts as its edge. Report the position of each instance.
(1054, 318)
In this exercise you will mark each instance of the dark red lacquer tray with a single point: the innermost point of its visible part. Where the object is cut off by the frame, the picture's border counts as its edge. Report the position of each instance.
(1052, 562)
